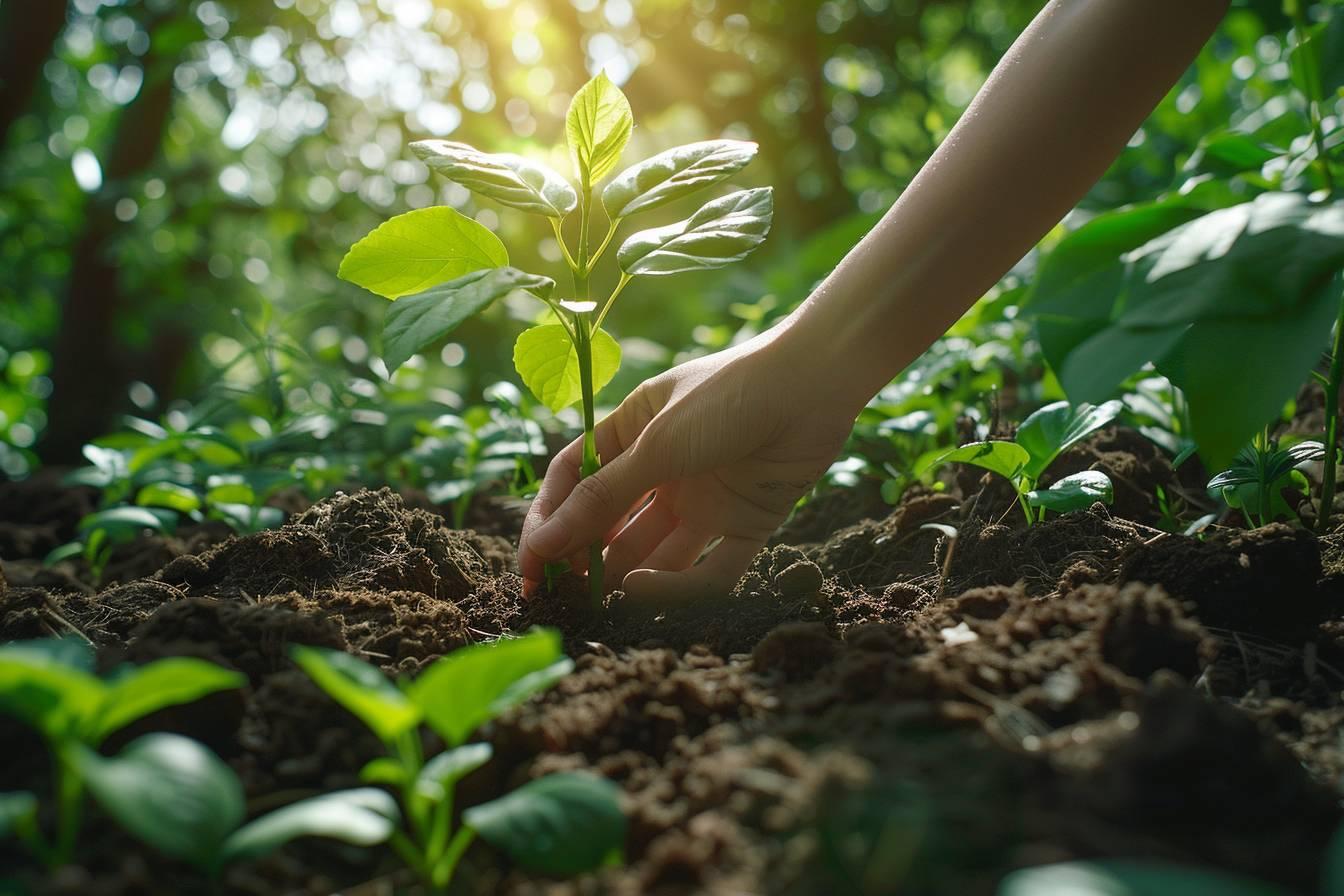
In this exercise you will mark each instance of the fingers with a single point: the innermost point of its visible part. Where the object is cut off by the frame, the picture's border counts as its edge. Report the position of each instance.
(632, 544)
(678, 550)
(714, 576)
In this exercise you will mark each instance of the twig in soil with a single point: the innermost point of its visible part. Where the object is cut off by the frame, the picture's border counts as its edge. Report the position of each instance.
(54, 612)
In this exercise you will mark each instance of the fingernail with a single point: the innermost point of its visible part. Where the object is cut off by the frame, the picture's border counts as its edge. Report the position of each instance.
(548, 540)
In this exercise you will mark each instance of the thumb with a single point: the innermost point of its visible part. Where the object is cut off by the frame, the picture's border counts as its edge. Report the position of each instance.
(593, 507)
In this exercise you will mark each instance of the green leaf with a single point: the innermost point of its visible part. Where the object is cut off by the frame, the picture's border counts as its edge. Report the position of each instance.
(468, 687)
(1056, 427)
(120, 524)
(383, 770)
(1005, 458)
(139, 691)
(364, 816)
(412, 252)
(513, 180)
(597, 127)
(725, 230)
(169, 791)
(17, 808)
(674, 173)
(360, 688)
(561, 824)
(1230, 153)
(1075, 492)
(1129, 878)
(548, 362)
(437, 778)
(44, 683)
(416, 321)
(170, 495)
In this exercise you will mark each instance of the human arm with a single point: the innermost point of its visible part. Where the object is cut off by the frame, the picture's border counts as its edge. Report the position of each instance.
(730, 441)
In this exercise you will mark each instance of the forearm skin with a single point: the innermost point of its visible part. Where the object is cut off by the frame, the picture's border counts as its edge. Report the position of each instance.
(1054, 114)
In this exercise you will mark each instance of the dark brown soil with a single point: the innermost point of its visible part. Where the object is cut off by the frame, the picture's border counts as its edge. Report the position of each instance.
(881, 709)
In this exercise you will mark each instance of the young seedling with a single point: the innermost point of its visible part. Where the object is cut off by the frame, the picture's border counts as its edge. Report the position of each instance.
(179, 797)
(1255, 482)
(1040, 439)
(50, 684)
(442, 267)
(559, 824)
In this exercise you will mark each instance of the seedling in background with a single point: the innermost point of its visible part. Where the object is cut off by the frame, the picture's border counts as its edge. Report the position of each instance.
(442, 267)
(1254, 484)
(560, 824)
(50, 684)
(1040, 439)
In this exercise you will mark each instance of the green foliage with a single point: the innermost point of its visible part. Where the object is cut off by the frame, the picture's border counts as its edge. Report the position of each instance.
(1041, 438)
(509, 179)
(412, 252)
(560, 824)
(674, 173)
(1255, 482)
(1121, 878)
(548, 362)
(597, 127)
(722, 232)
(178, 797)
(50, 685)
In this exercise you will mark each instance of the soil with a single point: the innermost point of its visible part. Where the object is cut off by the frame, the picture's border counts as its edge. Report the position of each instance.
(874, 708)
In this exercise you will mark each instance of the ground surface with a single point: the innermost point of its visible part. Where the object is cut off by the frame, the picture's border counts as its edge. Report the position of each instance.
(863, 714)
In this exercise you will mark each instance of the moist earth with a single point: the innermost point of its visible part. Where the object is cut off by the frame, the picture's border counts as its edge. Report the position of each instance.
(876, 707)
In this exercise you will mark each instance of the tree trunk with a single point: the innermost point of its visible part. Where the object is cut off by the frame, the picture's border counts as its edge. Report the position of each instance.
(28, 29)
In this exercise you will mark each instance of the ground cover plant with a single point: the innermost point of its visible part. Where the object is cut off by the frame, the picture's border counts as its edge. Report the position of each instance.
(1066, 615)
(440, 267)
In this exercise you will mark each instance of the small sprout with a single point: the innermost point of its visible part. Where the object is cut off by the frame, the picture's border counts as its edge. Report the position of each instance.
(1255, 482)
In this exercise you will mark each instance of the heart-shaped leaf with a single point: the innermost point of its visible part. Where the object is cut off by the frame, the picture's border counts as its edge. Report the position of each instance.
(674, 173)
(597, 127)
(1056, 427)
(414, 322)
(364, 816)
(138, 691)
(561, 824)
(169, 791)
(1074, 492)
(725, 230)
(513, 180)
(360, 688)
(468, 687)
(547, 361)
(412, 252)
(1005, 458)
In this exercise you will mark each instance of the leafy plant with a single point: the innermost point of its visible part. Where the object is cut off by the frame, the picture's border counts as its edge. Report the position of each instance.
(179, 797)
(559, 824)
(442, 267)
(50, 685)
(1041, 438)
(1255, 482)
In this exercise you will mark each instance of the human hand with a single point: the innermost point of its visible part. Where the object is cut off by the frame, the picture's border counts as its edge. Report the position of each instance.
(726, 444)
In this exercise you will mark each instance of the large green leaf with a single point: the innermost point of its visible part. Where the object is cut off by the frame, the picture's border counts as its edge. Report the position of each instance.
(1005, 458)
(412, 252)
(362, 689)
(39, 686)
(1053, 429)
(468, 687)
(414, 322)
(137, 692)
(169, 791)
(364, 816)
(725, 230)
(513, 180)
(597, 127)
(561, 824)
(1074, 492)
(547, 361)
(1130, 878)
(674, 173)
